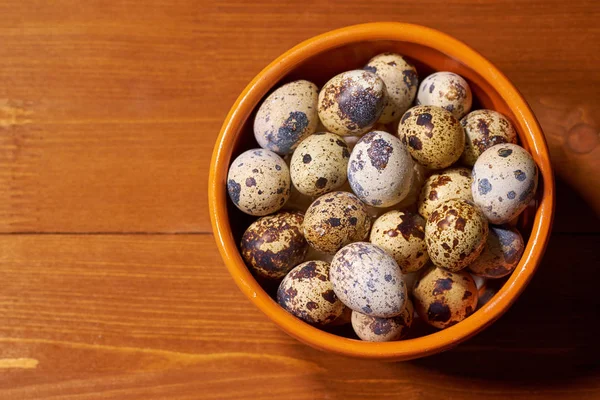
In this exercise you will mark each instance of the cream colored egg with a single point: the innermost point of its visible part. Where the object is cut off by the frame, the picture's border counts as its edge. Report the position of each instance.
(505, 179)
(352, 102)
(401, 81)
(287, 116)
(455, 233)
(368, 280)
(334, 220)
(402, 235)
(502, 252)
(307, 293)
(447, 90)
(452, 183)
(319, 164)
(258, 182)
(433, 135)
(380, 169)
(375, 329)
(274, 244)
(484, 129)
(443, 298)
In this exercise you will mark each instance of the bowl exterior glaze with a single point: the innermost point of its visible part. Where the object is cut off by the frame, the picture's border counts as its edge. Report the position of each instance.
(324, 56)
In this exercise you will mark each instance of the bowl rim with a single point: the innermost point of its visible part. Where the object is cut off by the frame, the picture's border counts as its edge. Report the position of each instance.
(410, 348)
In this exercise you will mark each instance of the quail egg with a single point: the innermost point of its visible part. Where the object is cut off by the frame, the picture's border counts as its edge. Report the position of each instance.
(334, 220)
(447, 90)
(380, 169)
(402, 235)
(368, 280)
(401, 81)
(502, 252)
(287, 116)
(505, 179)
(307, 293)
(258, 182)
(352, 102)
(319, 164)
(455, 233)
(452, 183)
(274, 244)
(433, 135)
(484, 129)
(443, 298)
(375, 329)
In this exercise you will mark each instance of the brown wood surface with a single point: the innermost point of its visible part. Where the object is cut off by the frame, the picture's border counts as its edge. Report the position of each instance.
(112, 287)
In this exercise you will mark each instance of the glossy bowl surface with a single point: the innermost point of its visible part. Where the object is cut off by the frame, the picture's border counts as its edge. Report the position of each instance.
(320, 58)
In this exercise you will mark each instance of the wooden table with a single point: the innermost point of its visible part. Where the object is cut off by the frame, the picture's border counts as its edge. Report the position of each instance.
(112, 287)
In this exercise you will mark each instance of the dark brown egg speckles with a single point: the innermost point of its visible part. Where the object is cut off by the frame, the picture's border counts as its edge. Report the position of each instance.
(401, 81)
(351, 102)
(334, 220)
(402, 235)
(287, 116)
(307, 293)
(434, 137)
(455, 234)
(484, 129)
(443, 298)
(319, 164)
(380, 169)
(452, 183)
(368, 280)
(258, 182)
(375, 329)
(505, 180)
(447, 90)
(503, 250)
(273, 245)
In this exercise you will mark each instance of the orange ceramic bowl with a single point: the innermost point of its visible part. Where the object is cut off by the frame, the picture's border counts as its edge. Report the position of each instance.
(319, 59)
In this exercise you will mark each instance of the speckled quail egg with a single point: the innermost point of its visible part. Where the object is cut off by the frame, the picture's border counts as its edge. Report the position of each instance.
(401, 81)
(402, 235)
(258, 182)
(334, 220)
(502, 252)
(443, 298)
(307, 293)
(375, 329)
(352, 102)
(505, 179)
(287, 116)
(319, 164)
(455, 233)
(452, 183)
(447, 90)
(484, 129)
(380, 169)
(274, 244)
(433, 136)
(368, 280)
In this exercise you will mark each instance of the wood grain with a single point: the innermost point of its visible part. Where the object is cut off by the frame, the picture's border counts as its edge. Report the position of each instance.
(112, 287)
(158, 317)
(109, 109)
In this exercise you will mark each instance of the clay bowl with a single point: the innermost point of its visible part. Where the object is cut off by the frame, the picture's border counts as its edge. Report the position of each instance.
(320, 58)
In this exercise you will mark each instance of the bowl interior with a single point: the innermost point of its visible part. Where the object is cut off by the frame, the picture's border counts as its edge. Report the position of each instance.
(318, 60)
(321, 67)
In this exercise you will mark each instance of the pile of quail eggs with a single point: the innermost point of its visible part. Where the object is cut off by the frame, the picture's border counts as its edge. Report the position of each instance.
(381, 200)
